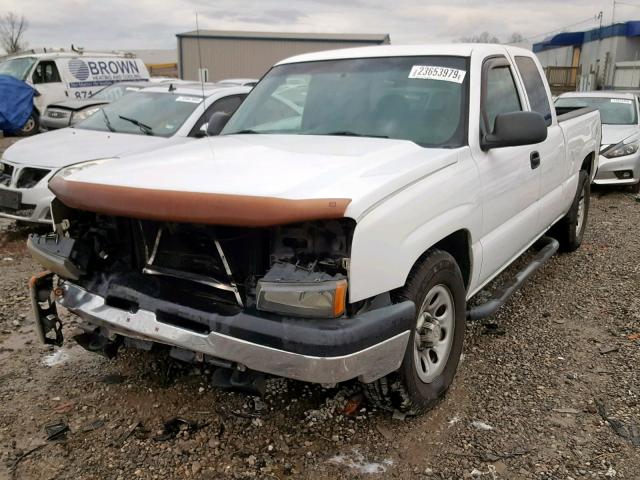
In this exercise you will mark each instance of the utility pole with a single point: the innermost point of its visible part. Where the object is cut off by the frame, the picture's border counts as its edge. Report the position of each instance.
(613, 13)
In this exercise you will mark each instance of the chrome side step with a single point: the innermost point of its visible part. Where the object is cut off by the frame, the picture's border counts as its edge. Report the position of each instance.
(501, 295)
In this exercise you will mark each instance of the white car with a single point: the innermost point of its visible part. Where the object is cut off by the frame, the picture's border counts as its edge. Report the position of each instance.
(147, 120)
(337, 240)
(59, 76)
(620, 114)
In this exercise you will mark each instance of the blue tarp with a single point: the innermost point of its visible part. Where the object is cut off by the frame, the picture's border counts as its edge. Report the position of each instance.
(16, 103)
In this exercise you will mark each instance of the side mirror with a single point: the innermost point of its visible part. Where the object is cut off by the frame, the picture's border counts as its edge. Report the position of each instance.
(515, 129)
(217, 121)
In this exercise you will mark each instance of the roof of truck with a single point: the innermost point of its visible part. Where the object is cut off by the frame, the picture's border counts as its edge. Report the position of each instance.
(452, 49)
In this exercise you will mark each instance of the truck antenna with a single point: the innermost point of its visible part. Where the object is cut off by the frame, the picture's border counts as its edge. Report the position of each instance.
(200, 69)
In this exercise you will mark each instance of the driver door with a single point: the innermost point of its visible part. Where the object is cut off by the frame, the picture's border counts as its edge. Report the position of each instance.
(509, 176)
(47, 80)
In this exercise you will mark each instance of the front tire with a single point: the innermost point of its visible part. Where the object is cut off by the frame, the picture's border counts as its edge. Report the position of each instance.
(437, 289)
(569, 230)
(31, 127)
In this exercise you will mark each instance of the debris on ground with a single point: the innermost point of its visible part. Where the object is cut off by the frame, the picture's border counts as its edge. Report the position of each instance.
(174, 426)
(57, 432)
(478, 425)
(91, 426)
(356, 461)
(64, 407)
(14, 467)
(353, 404)
(604, 349)
(493, 328)
(630, 432)
(124, 436)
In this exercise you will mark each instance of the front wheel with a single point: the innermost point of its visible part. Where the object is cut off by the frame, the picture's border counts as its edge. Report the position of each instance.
(569, 230)
(31, 126)
(437, 289)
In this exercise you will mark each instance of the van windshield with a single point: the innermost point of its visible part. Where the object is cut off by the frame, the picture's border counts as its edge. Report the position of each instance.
(613, 111)
(421, 99)
(145, 113)
(17, 67)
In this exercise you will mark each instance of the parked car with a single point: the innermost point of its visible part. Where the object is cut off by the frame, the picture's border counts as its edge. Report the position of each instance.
(69, 112)
(334, 241)
(619, 155)
(58, 76)
(151, 119)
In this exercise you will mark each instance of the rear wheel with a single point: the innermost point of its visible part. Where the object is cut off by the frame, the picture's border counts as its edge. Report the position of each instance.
(31, 127)
(437, 289)
(569, 230)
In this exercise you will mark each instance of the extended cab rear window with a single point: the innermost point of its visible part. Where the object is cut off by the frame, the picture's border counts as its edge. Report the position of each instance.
(533, 84)
(422, 99)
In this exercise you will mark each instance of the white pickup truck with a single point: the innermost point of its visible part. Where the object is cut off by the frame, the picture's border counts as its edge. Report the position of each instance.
(338, 235)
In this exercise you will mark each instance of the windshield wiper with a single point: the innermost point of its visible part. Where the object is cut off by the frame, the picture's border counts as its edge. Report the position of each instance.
(107, 122)
(142, 126)
(346, 133)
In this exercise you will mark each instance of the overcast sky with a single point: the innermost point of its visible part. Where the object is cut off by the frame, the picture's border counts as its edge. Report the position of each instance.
(135, 24)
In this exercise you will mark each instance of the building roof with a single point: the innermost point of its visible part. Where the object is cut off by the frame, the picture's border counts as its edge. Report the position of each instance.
(322, 37)
(566, 39)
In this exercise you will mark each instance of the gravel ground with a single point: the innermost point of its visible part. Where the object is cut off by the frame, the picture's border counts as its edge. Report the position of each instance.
(525, 402)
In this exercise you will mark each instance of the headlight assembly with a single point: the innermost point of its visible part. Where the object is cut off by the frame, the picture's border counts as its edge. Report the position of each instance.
(621, 150)
(71, 169)
(83, 114)
(321, 299)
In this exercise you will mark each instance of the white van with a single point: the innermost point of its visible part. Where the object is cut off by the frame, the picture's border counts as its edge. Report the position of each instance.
(61, 76)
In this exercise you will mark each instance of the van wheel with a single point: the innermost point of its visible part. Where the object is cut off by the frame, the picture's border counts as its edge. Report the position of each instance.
(570, 229)
(31, 127)
(430, 361)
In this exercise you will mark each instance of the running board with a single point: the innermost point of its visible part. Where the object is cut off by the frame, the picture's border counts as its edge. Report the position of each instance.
(500, 296)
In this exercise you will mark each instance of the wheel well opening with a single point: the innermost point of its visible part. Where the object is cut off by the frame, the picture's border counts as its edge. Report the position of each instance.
(587, 163)
(458, 245)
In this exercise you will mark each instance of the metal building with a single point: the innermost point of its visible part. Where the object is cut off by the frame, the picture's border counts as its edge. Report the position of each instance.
(600, 58)
(214, 55)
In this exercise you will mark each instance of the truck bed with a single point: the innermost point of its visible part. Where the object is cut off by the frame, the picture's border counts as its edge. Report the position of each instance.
(566, 113)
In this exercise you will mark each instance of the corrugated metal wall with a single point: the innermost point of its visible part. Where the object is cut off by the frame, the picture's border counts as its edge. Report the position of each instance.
(244, 58)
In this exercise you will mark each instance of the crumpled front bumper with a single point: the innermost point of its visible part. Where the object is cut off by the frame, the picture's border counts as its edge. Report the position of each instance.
(367, 346)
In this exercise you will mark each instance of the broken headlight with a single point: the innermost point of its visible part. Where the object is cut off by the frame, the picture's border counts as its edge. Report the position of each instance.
(77, 167)
(325, 299)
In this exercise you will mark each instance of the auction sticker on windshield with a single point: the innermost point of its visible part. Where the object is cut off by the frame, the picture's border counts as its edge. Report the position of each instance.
(189, 99)
(426, 72)
(621, 100)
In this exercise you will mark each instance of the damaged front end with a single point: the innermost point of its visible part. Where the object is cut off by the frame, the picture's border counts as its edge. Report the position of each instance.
(270, 299)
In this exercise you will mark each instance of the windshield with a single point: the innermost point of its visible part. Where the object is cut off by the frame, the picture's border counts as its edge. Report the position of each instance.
(114, 92)
(146, 113)
(421, 99)
(613, 111)
(17, 67)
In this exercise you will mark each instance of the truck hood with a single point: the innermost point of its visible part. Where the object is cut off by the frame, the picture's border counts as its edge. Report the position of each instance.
(75, 105)
(612, 134)
(355, 173)
(67, 146)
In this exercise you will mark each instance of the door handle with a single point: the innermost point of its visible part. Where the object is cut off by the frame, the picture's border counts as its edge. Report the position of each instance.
(534, 158)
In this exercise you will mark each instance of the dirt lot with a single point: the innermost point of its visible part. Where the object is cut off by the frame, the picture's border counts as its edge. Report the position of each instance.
(524, 403)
